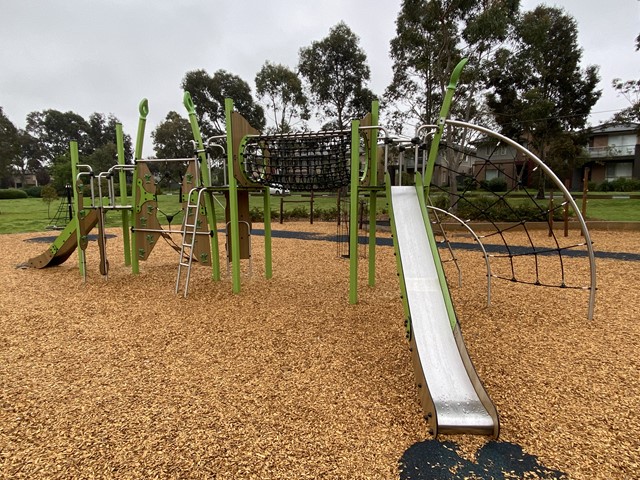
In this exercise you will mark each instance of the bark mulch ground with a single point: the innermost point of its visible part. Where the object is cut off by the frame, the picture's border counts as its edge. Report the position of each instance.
(124, 379)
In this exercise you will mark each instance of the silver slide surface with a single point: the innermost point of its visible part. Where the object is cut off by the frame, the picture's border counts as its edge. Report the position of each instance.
(452, 396)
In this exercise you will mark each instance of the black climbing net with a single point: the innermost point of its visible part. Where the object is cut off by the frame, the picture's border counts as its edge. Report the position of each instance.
(299, 162)
(521, 217)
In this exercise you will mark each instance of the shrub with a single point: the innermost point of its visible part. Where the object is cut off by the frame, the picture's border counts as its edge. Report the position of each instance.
(497, 184)
(619, 185)
(12, 194)
(440, 201)
(326, 214)
(494, 209)
(468, 183)
(257, 214)
(35, 192)
(297, 213)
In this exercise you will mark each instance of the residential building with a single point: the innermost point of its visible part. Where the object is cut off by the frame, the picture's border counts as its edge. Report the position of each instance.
(613, 152)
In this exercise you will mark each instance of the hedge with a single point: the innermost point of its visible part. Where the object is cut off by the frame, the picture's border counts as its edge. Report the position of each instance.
(12, 194)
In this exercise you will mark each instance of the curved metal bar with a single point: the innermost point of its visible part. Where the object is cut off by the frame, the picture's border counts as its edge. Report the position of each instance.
(561, 187)
(477, 239)
(386, 136)
(88, 172)
(423, 127)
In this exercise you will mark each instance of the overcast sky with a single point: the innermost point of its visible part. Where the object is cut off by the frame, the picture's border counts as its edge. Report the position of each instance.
(106, 55)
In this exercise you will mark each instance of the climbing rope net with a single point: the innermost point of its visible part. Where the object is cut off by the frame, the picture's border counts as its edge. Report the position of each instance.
(299, 162)
(497, 194)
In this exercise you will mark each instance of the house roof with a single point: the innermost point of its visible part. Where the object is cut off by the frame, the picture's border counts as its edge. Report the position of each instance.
(615, 128)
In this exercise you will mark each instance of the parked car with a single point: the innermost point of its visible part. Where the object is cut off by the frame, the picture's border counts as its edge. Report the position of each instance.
(279, 190)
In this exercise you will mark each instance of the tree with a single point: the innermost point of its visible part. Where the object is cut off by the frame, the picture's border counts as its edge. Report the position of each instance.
(172, 137)
(48, 195)
(47, 136)
(281, 89)
(9, 148)
(102, 132)
(337, 73)
(53, 130)
(539, 91)
(432, 36)
(29, 158)
(103, 157)
(209, 93)
(630, 90)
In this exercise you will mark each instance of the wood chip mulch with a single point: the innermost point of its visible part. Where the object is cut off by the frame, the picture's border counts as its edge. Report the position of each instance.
(123, 379)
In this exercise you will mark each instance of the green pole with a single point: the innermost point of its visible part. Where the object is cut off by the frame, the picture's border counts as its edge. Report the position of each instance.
(373, 194)
(268, 269)
(444, 112)
(73, 151)
(403, 286)
(233, 202)
(353, 212)
(143, 108)
(204, 172)
(123, 195)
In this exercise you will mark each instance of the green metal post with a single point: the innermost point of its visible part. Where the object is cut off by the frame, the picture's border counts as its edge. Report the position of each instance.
(124, 199)
(353, 212)
(444, 112)
(143, 108)
(204, 172)
(373, 200)
(403, 286)
(73, 151)
(268, 269)
(234, 226)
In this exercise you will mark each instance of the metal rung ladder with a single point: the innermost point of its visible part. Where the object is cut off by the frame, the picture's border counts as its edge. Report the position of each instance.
(189, 232)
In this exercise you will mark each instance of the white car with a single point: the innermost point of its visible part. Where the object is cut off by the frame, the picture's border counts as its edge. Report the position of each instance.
(279, 190)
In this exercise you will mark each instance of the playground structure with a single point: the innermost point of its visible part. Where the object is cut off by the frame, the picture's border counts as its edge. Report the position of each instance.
(451, 393)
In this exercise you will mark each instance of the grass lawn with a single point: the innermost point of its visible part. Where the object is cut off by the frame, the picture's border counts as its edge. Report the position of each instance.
(33, 215)
(614, 209)
(30, 214)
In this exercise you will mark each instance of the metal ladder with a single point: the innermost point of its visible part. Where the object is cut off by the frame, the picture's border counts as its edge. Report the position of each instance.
(189, 232)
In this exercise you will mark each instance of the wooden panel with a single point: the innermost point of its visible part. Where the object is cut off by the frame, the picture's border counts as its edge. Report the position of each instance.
(202, 246)
(244, 217)
(239, 128)
(145, 212)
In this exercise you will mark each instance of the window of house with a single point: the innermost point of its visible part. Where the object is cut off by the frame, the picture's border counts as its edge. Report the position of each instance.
(624, 143)
(490, 174)
(619, 170)
(499, 150)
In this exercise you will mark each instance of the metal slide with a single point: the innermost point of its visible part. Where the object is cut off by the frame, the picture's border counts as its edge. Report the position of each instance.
(451, 393)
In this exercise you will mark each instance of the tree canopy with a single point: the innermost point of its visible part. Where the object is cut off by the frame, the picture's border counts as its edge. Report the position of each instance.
(337, 73)
(209, 93)
(431, 38)
(540, 93)
(281, 89)
(9, 147)
(172, 137)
